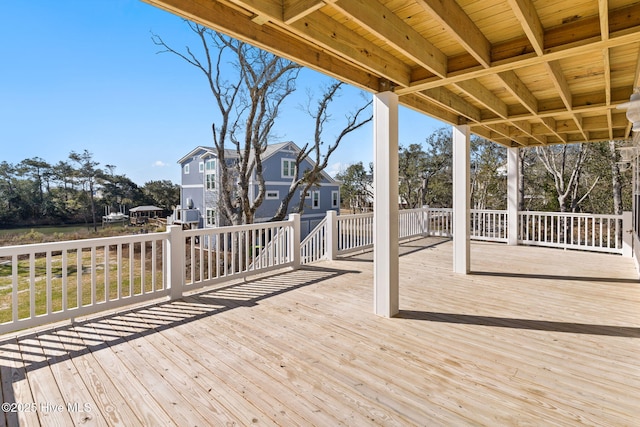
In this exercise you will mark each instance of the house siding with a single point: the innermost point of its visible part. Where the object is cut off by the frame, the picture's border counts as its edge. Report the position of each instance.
(194, 187)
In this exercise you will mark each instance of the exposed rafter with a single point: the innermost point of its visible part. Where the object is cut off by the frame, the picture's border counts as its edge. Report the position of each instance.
(460, 27)
(293, 10)
(377, 19)
(528, 17)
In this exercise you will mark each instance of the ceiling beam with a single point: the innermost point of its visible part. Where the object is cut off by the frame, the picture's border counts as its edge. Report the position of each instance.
(518, 89)
(332, 36)
(449, 100)
(526, 13)
(554, 70)
(293, 10)
(222, 18)
(566, 51)
(380, 20)
(550, 124)
(424, 105)
(459, 26)
(484, 96)
(603, 12)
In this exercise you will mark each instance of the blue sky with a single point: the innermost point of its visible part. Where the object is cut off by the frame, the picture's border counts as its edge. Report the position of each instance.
(84, 74)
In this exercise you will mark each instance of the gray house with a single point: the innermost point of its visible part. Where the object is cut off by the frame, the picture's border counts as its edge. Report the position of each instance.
(201, 182)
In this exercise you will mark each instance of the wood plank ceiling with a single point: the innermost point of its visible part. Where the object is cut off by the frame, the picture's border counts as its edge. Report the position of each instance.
(519, 72)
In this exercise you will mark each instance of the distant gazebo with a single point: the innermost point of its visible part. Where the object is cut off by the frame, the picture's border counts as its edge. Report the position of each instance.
(141, 215)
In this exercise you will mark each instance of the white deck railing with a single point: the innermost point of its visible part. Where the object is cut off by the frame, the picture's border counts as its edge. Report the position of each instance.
(48, 282)
(314, 247)
(218, 254)
(489, 225)
(51, 282)
(355, 232)
(440, 222)
(601, 233)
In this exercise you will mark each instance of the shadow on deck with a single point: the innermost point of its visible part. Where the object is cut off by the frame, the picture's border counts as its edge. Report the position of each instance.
(511, 343)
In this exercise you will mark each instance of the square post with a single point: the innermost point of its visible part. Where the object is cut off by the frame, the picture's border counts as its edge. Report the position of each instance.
(332, 235)
(386, 276)
(176, 261)
(461, 199)
(294, 240)
(425, 221)
(513, 195)
(627, 234)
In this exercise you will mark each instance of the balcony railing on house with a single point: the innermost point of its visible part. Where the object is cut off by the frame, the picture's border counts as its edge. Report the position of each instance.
(51, 282)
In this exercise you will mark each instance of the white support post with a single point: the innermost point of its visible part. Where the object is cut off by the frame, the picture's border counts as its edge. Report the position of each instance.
(176, 261)
(627, 234)
(294, 240)
(425, 221)
(461, 199)
(386, 275)
(513, 195)
(332, 235)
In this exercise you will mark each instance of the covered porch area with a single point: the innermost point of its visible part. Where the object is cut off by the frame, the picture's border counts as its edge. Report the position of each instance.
(508, 344)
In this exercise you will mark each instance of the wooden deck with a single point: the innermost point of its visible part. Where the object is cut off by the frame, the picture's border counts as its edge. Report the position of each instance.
(538, 337)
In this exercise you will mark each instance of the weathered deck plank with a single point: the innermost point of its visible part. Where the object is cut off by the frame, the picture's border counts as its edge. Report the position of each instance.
(539, 337)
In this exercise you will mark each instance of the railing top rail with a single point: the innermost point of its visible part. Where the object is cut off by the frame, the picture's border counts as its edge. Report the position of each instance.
(347, 217)
(412, 210)
(235, 228)
(496, 211)
(574, 214)
(81, 243)
(312, 235)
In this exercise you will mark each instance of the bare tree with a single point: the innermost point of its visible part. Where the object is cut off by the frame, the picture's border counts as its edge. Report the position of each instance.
(314, 153)
(616, 179)
(565, 164)
(248, 107)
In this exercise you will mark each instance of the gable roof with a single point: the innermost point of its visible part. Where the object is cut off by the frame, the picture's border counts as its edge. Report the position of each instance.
(271, 149)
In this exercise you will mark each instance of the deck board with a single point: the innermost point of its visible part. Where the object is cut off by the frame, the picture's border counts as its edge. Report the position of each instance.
(541, 336)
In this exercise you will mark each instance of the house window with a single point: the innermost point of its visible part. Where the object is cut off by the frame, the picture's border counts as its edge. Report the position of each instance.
(335, 199)
(211, 217)
(272, 195)
(201, 167)
(186, 169)
(210, 174)
(288, 168)
(315, 200)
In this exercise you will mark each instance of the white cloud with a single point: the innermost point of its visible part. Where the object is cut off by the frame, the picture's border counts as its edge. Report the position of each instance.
(159, 164)
(335, 168)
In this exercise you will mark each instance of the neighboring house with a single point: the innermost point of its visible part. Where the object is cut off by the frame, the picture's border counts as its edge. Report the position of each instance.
(201, 182)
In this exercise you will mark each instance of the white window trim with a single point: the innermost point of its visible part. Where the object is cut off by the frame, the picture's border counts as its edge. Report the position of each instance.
(335, 199)
(186, 169)
(291, 162)
(268, 197)
(201, 167)
(211, 172)
(207, 217)
(313, 199)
